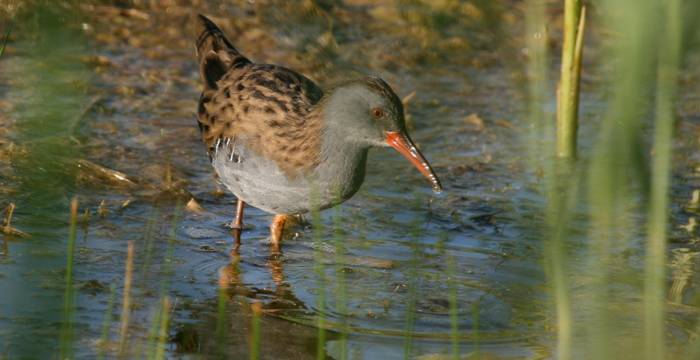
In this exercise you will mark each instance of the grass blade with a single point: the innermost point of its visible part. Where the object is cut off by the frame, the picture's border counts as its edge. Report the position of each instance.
(4, 41)
(567, 107)
(126, 298)
(256, 308)
(104, 337)
(163, 328)
(655, 266)
(69, 294)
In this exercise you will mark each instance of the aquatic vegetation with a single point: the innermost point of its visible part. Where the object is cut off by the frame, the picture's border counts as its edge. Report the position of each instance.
(126, 299)
(4, 41)
(256, 310)
(669, 62)
(107, 322)
(7, 228)
(163, 329)
(569, 83)
(617, 182)
(67, 323)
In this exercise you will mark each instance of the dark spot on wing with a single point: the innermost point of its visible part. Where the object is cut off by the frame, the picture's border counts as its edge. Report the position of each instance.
(270, 84)
(286, 78)
(260, 96)
(240, 62)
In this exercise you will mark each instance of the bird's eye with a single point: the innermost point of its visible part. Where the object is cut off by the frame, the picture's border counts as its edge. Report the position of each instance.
(378, 113)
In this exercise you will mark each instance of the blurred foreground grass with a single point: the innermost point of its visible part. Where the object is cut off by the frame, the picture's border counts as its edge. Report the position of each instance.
(626, 199)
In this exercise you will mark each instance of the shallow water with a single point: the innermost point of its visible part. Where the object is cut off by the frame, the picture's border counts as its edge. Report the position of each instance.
(116, 88)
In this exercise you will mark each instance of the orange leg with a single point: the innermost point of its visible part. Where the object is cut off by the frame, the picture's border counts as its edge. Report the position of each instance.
(237, 223)
(276, 230)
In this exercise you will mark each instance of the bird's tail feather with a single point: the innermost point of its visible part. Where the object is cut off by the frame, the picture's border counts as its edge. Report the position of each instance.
(214, 52)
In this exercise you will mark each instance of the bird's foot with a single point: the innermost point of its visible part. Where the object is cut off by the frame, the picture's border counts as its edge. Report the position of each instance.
(235, 226)
(277, 230)
(236, 234)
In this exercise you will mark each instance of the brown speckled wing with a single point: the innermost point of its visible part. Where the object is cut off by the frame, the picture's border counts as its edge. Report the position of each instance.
(271, 108)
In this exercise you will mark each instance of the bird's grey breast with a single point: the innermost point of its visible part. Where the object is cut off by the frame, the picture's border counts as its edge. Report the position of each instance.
(261, 183)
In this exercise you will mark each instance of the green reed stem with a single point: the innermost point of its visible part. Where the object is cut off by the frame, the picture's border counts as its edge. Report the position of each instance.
(5, 40)
(321, 274)
(617, 173)
(454, 315)
(477, 341)
(341, 285)
(557, 186)
(563, 188)
(655, 289)
(221, 309)
(151, 341)
(541, 129)
(158, 317)
(413, 275)
(256, 308)
(168, 260)
(568, 92)
(107, 321)
(66, 342)
(126, 298)
(149, 237)
(163, 328)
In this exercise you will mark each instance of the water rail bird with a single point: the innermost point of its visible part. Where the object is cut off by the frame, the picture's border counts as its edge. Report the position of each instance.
(280, 143)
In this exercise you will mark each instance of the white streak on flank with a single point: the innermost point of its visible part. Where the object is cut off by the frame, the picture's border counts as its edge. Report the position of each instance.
(216, 147)
(233, 148)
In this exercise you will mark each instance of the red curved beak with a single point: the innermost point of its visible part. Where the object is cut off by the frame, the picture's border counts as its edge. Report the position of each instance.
(404, 145)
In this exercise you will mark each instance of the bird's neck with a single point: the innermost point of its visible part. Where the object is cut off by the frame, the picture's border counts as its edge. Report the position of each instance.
(338, 147)
(343, 160)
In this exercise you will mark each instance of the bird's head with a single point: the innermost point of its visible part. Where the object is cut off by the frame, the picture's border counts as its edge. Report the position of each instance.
(369, 113)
